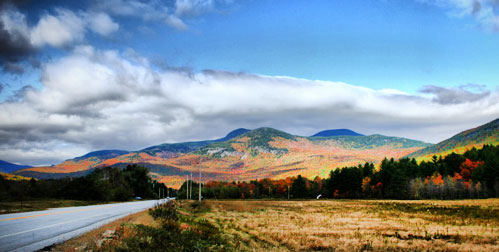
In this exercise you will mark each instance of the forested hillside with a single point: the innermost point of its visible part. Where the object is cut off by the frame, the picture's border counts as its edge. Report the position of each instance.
(474, 174)
(460, 143)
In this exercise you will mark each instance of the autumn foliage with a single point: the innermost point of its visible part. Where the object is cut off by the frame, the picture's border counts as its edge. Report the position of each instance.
(474, 174)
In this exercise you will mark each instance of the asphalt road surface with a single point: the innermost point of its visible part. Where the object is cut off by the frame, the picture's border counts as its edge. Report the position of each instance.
(32, 231)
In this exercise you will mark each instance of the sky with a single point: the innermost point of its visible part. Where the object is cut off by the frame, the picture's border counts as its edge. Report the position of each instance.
(79, 76)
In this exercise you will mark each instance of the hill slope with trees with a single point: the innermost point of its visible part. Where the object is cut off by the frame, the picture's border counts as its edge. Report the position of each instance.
(460, 143)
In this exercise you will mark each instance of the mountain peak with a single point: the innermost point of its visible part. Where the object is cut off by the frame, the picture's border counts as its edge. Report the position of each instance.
(268, 132)
(336, 132)
(258, 142)
(232, 134)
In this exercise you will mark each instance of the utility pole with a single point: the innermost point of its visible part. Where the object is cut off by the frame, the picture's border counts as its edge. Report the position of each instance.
(200, 155)
(190, 193)
(288, 191)
(187, 195)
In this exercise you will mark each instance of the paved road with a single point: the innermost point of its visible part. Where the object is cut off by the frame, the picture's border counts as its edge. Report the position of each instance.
(35, 230)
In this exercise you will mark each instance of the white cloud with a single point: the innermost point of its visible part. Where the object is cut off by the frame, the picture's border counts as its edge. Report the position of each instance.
(102, 24)
(176, 22)
(170, 12)
(193, 7)
(152, 10)
(105, 99)
(486, 12)
(59, 30)
(46, 153)
(62, 28)
(14, 22)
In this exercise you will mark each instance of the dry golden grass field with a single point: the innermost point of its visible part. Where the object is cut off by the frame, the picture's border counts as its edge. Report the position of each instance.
(326, 225)
(358, 225)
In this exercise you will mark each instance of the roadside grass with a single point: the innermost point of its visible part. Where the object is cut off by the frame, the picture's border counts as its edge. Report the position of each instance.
(38, 205)
(358, 225)
(104, 234)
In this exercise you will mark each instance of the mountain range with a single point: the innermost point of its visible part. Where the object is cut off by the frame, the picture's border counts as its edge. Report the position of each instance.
(265, 153)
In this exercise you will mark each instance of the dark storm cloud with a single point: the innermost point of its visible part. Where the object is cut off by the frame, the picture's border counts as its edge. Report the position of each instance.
(27, 27)
(444, 95)
(15, 47)
(6, 3)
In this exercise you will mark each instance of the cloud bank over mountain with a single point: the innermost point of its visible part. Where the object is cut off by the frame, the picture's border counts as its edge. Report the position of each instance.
(104, 99)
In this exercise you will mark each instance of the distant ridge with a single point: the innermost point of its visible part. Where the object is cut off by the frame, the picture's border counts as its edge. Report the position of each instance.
(336, 132)
(7, 167)
(186, 147)
(102, 154)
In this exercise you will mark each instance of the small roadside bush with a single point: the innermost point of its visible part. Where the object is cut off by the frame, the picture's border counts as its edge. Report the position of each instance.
(165, 212)
(176, 232)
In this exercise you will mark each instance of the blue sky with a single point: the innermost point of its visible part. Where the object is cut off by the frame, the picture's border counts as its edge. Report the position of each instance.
(378, 44)
(427, 69)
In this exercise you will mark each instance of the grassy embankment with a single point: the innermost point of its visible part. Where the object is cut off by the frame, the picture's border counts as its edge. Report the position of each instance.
(168, 227)
(346, 225)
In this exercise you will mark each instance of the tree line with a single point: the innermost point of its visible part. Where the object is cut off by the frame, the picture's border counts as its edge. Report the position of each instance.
(474, 174)
(106, 184)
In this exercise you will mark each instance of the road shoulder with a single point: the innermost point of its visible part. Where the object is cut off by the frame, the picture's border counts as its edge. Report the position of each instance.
(97, 236)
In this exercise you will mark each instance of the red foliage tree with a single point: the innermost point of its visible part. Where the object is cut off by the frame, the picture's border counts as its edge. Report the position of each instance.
(467, 168)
